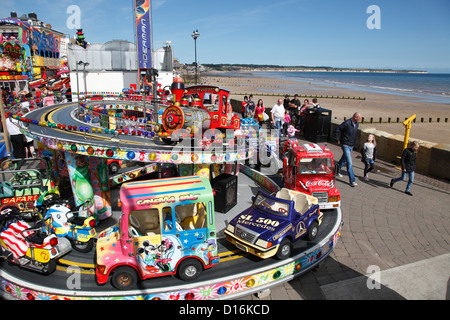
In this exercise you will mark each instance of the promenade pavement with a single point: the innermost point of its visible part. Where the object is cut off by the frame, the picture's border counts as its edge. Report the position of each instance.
(393, 246)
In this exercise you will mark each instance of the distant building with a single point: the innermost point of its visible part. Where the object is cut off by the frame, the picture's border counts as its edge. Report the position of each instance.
(112, 66)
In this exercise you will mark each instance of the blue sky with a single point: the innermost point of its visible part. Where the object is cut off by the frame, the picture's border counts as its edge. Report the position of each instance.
(414, 34)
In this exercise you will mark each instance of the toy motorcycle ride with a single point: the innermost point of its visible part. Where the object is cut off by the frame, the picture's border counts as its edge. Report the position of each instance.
(29, 247)
(76, 226)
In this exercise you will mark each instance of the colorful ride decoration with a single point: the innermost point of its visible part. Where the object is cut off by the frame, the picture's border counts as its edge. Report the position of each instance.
(80, 39)
(32, 52)
(167, 227)
(224, 288)
(150, 153)
(89, 179)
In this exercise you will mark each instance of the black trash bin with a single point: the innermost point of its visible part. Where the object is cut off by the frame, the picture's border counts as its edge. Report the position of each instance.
(317, 125)
(225, 187)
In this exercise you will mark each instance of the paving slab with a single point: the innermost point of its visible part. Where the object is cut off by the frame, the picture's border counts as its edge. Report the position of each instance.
(423, 280)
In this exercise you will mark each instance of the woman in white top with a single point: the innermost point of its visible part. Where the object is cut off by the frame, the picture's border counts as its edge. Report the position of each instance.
(16, 137)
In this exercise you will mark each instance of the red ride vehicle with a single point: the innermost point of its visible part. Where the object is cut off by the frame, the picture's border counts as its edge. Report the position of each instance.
(200, 110)
(309, 169)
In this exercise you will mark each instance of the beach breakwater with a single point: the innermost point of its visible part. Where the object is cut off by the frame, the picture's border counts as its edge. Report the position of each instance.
(305, 96)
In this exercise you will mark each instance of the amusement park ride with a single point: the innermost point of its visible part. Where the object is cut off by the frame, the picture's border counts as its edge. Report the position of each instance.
(161, 238)
(157, 218)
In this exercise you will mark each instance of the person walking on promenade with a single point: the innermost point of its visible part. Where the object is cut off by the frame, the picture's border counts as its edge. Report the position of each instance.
(348, 130)
(277, 114)
(368, 155)
(259, 112)
(408, 166)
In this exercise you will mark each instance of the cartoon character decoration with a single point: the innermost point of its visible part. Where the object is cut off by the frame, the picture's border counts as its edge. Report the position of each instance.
(100, 183)
(60, 161)
(156, 258)
(208, 250)
(80, 179)
(14, 55)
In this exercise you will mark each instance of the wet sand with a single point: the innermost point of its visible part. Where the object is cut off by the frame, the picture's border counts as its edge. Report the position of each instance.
(375, 105)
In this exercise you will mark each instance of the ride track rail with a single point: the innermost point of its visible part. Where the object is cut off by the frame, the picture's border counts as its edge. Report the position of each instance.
(236, 275)
(50, 125)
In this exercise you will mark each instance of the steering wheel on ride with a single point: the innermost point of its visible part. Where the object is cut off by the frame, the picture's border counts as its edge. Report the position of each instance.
(132, 231)
(50, 199)
(22, 176)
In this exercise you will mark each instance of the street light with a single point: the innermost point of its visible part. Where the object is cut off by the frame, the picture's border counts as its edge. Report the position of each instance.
(195, 35)
(84, 64)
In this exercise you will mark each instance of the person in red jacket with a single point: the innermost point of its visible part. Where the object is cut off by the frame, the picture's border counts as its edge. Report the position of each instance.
(244, 106)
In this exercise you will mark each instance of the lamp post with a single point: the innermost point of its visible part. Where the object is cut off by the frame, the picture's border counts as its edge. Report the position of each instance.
(78, 85)
(195, 35)
(84, 64)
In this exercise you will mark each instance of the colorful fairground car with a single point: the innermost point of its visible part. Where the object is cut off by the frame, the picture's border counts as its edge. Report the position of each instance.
(24, 180)
(309, 169)
(167, 227)
(273, 223)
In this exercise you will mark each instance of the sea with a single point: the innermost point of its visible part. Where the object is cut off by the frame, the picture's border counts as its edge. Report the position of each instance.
(427, 87)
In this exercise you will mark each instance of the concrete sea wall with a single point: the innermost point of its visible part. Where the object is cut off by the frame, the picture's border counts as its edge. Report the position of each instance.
(433, 159)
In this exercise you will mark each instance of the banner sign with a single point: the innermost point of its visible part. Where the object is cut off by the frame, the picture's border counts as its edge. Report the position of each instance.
(143, 33)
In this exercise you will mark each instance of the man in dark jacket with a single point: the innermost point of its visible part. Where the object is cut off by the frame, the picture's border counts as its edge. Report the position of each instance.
(348, 130)
(408, 166)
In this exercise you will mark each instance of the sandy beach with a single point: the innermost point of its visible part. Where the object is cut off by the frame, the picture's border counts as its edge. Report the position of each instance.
(374, 106)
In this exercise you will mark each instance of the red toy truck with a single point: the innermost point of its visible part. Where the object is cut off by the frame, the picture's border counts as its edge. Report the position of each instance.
(309, 169)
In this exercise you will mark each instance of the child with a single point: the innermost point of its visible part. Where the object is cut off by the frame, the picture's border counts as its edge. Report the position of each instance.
(287, 121)
(369, 153)
(292, 131)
